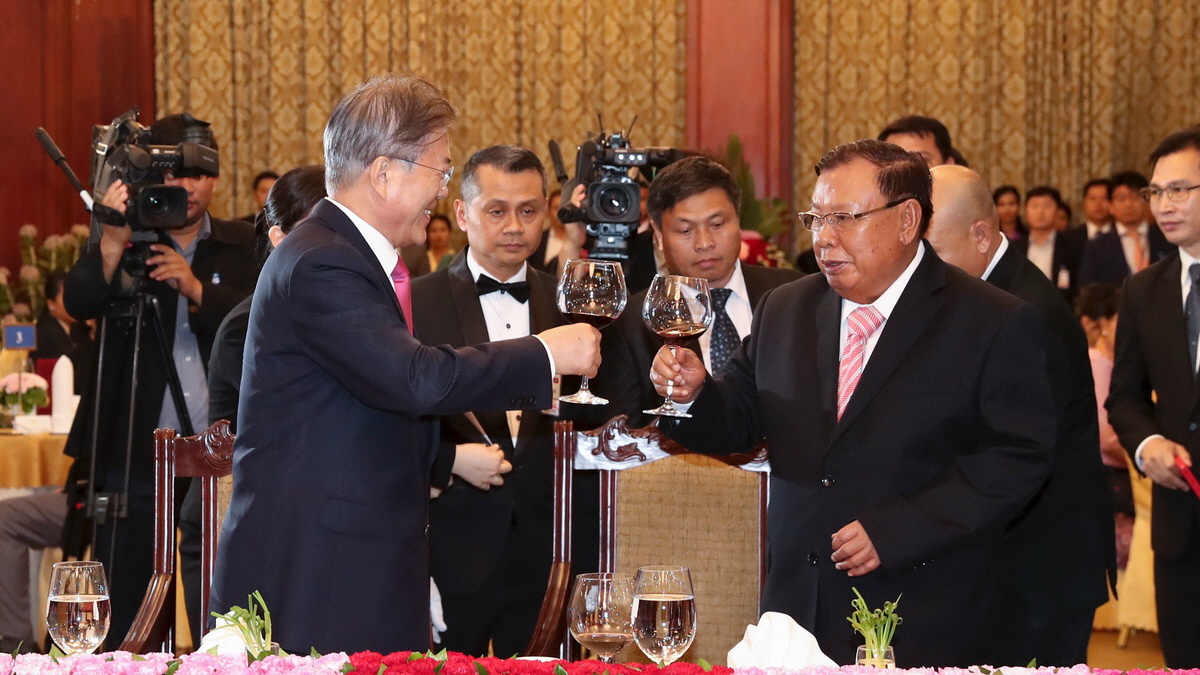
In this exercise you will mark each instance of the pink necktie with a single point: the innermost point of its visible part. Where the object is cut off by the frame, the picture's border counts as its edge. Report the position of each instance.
(860, 325)
(403, 291)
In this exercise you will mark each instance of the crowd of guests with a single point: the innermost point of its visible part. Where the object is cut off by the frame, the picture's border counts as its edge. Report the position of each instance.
(937, 413)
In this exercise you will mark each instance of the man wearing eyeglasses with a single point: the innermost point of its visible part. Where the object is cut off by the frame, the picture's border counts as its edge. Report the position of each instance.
(906, 411)
(1152, 402)
(335, 430)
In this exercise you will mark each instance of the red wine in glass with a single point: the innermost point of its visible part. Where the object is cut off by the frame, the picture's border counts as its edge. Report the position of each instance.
(593, 292)
(677, 309)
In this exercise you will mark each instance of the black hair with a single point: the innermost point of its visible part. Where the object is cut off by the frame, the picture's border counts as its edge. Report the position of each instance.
(898, 173)
(1108, 186)
(686, 178)
(928, 126)
(1097, 301)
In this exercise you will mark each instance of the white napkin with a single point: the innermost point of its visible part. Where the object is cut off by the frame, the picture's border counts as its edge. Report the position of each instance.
(63, 400)
(31, 424)
(777, 642)
(436, 618)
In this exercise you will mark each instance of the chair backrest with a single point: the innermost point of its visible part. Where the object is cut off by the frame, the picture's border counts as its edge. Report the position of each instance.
(208, 457)
(704, 512)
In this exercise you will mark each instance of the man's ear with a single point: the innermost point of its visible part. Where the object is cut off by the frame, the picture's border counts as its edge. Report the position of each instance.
(460, 214)
(910, 220)
(981, 236)
(377, 174)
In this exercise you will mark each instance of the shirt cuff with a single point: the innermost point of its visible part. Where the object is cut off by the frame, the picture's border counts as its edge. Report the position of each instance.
(549, 355)
(1137, 454)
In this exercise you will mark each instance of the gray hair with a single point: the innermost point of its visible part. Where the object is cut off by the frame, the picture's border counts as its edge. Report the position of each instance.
(510, 159)
(389, 116)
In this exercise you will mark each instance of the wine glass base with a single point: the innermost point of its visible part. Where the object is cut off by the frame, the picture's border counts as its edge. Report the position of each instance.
(584, 397)
(664, 411)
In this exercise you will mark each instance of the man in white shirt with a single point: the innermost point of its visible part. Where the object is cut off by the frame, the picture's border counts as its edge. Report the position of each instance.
(906, 412)
(692, 206)
(490, 534)
(1053, 252)
(1045, 605)
(1152, 401)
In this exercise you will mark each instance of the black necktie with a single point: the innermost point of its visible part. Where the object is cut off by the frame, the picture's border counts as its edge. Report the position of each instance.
(725, 338)
(518, 289)
(1193, 313)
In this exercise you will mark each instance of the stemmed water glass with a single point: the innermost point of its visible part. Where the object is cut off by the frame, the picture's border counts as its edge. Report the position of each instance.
(593, 292)
(664, 612)
(78, 609)
(601, 613)
(677, 309)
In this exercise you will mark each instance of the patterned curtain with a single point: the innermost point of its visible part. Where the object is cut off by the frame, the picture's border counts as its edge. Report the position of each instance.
(267, 73)
(1033, 92)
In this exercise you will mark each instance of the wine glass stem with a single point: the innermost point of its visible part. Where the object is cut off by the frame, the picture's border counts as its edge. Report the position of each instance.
(608, 658)
(583, 384)
(669, 403)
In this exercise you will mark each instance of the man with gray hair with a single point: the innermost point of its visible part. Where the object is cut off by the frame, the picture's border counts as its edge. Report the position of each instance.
(1045, 605)
(335, 439)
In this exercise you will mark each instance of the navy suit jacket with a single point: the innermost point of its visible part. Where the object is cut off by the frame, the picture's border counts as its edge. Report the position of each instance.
(335, 442)
(947, 436)
(1104, 256)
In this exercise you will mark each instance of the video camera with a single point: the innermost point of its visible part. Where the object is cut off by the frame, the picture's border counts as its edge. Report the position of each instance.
(123, 150)
(612, 207)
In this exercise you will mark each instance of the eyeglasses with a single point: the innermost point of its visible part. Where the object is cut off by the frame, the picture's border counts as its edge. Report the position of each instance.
(840, 221)
(1175, 193)
(446, 175)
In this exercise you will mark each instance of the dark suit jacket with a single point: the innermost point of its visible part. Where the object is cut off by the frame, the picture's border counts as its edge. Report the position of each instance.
(1104, 257)
(629, 348)
(1064, 270)
(53, 341)
(225, 365)
(468, 526)
(1152, 358)
(331, 465)
(946, 438)
(1070, 513)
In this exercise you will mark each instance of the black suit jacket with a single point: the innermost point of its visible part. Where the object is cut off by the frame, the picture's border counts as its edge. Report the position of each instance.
(1152, 359)
(629, 348)
(1064, 266)
(331, 464)
(1104, 256)
(469, 526)
(945, 439)
(225, 365)
(1070, 513)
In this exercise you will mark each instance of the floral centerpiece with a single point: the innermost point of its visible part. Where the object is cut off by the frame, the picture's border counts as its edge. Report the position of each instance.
(22, 298)
(877, 627)
(24, 392)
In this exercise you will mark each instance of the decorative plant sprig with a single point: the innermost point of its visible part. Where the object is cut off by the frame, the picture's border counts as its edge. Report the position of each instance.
(255, 629)
(877, 627)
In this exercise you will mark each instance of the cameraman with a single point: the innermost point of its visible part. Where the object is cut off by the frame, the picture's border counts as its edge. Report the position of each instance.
(197, 273)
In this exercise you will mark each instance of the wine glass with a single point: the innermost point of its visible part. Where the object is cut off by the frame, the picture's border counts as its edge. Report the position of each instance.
(664, 612)
(601, 613)
(677, 309)
(78, 609)
(591, 291)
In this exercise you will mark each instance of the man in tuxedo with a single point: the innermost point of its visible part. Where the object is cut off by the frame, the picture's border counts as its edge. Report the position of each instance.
(1045, 605)
(1051, 251)
(693, 211)
(490, 536)
(894, 467)
(1132, 244)
(335, 440)
(1152, 402)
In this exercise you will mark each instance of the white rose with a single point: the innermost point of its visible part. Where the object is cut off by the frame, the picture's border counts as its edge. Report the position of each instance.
(224, 640)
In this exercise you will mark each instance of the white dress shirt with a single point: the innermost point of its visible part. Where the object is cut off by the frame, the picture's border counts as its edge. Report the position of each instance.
(506, 318)
(996, 257)
(1130, 245)
(885, 304)
(1042, 255)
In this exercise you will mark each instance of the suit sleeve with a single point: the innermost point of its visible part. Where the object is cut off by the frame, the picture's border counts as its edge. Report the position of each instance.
(988, 484)
(622, 378)
(346, 325)
(84, 289)
(1130, 403)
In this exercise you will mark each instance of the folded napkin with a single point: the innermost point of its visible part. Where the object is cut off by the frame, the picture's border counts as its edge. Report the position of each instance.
(777, 642)
(31, 424)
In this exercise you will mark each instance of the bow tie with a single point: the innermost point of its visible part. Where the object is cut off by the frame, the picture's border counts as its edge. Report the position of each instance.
(518, 289)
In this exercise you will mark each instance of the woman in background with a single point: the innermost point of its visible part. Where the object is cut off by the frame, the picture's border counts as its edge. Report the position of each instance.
(437, 242)
(1008, 206)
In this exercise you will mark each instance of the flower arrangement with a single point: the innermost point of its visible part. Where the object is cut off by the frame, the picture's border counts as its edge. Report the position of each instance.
(877, 627)
(56, 253)
(24, 392)
(241, 631)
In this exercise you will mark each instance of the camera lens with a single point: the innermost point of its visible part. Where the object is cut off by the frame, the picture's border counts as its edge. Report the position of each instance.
(155, 206)
(613, 201)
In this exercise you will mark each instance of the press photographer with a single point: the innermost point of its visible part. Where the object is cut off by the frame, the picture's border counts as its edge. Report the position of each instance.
(155, 248)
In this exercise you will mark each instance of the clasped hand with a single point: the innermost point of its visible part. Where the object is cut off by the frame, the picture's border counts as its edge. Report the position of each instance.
(679, 375)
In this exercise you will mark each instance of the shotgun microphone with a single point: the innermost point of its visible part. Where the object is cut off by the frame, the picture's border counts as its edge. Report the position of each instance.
(560, 170)
(57, 156)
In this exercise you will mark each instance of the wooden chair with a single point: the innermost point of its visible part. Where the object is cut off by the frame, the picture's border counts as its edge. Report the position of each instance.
(209, 457)
(705, 512)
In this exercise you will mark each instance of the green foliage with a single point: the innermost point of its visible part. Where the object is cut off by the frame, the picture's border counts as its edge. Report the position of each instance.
(768, 216)
(877, 627)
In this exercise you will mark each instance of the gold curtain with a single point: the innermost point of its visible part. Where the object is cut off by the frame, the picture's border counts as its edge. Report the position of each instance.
(267, 73)
(1042, 91)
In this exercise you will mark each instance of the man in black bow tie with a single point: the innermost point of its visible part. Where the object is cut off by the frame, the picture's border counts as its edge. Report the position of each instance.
(490, 530)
